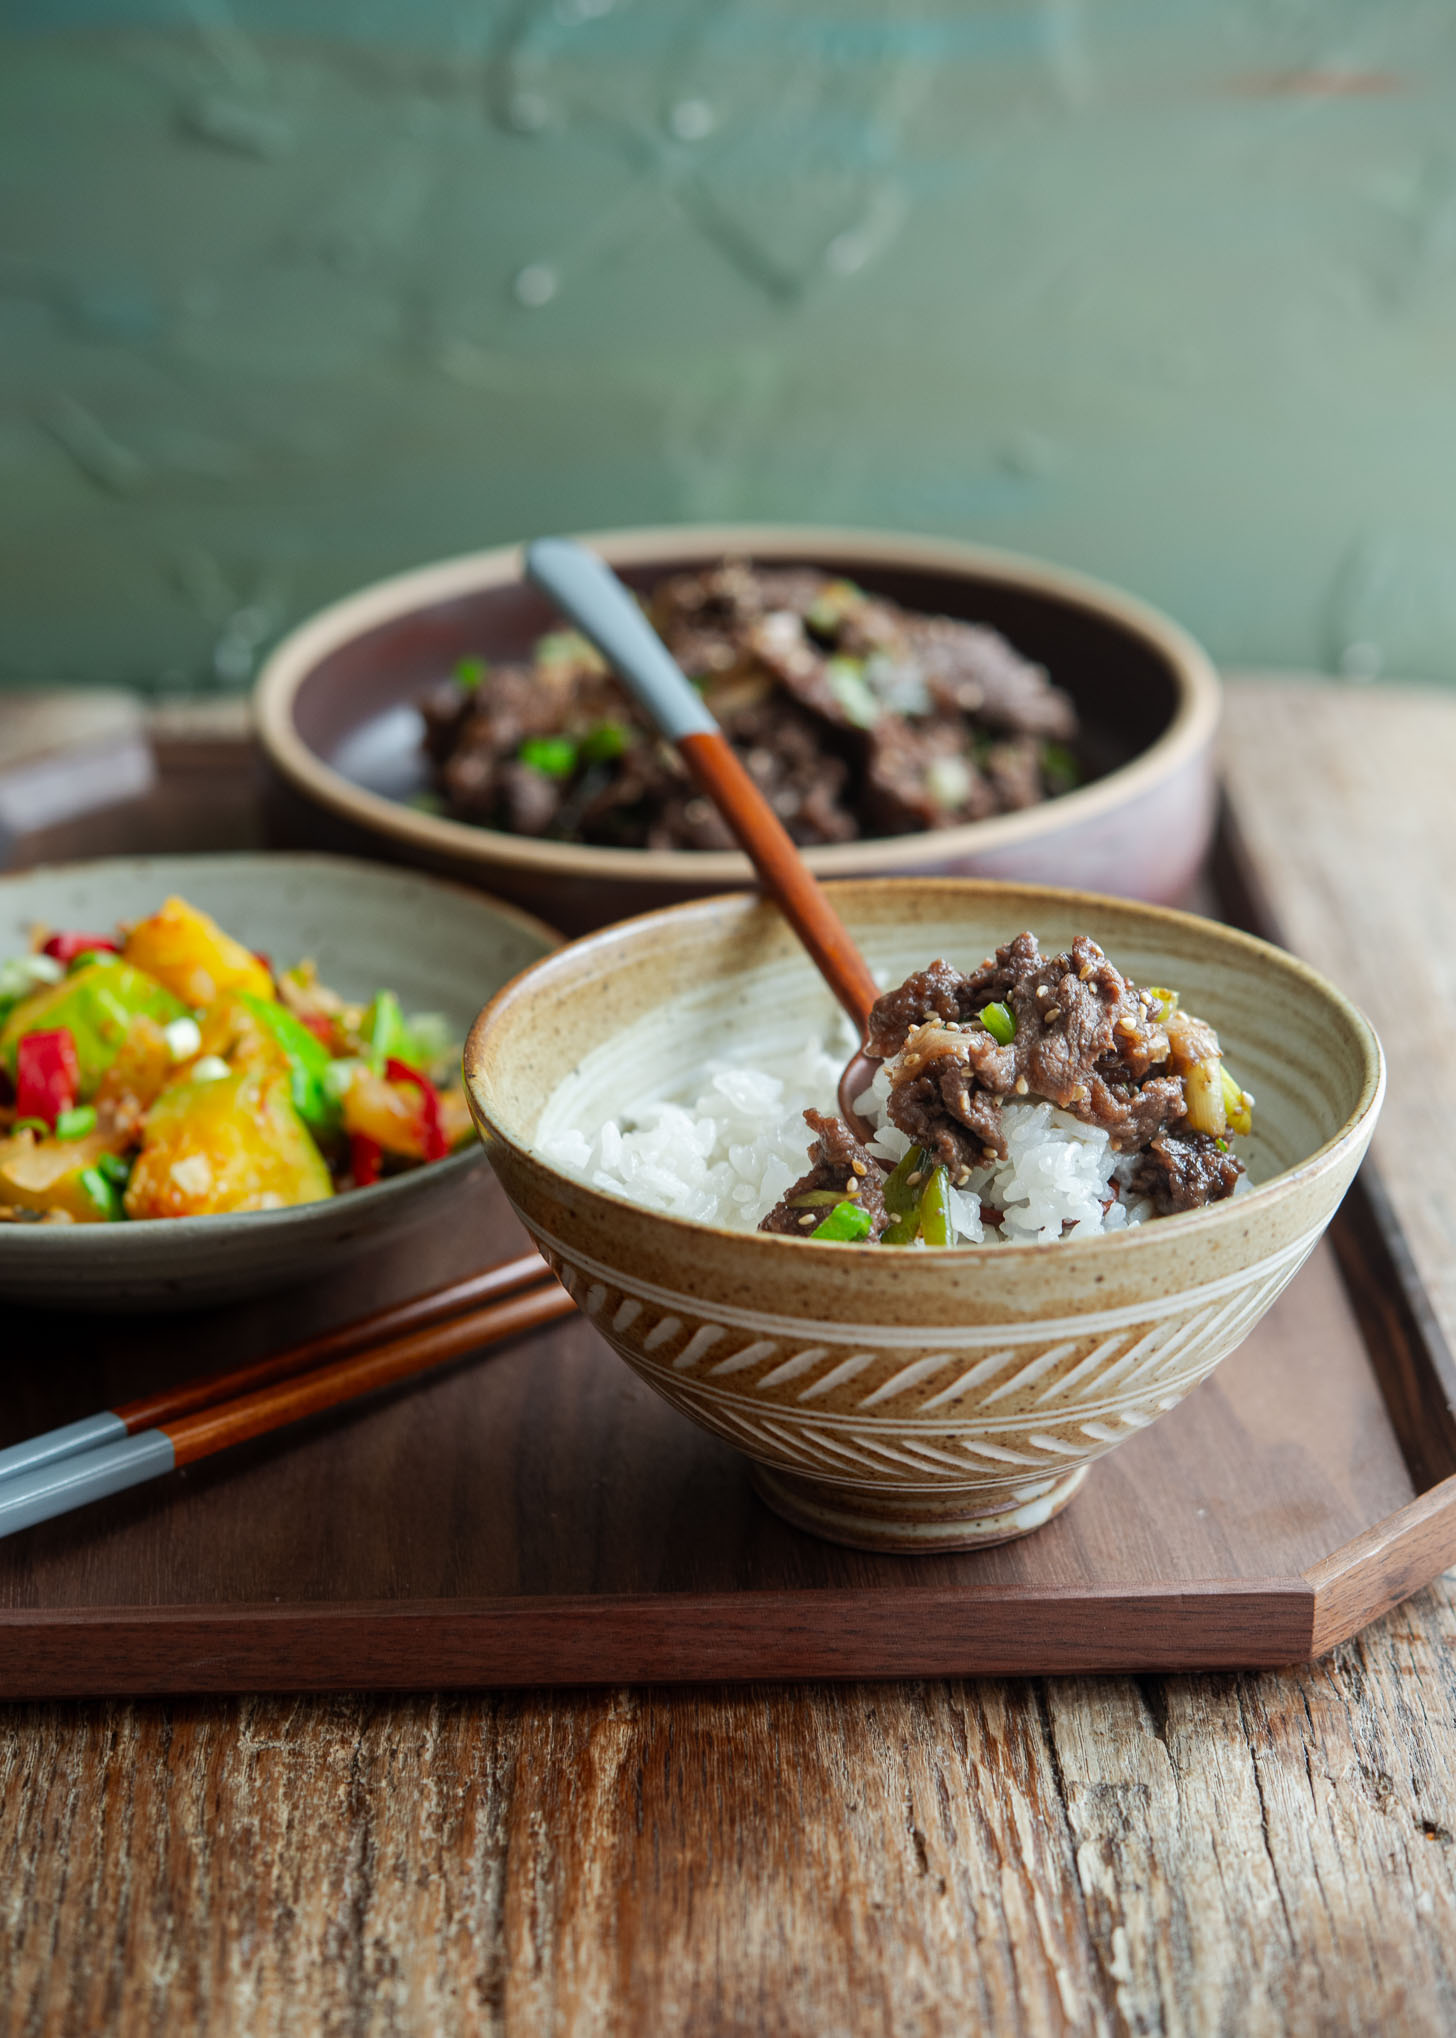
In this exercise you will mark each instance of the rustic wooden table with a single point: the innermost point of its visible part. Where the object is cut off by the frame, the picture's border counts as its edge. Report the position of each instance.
(1242, 1854)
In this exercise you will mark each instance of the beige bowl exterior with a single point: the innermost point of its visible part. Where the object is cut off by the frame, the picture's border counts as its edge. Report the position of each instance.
(914, 1400)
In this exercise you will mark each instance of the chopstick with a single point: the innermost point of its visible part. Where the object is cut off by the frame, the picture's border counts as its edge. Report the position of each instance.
(109, 1425)
(147, 1438)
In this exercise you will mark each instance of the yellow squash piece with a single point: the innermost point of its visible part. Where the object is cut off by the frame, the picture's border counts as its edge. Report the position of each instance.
(189, 953)
(232, 1144)
(46, 1174)
(390, 1113)
(142, 1069)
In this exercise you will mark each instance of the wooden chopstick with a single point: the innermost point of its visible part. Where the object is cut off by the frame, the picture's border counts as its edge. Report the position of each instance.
(109, 1425)
(199, 1432)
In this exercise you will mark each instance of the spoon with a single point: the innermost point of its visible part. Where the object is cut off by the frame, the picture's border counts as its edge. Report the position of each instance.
(585, 588)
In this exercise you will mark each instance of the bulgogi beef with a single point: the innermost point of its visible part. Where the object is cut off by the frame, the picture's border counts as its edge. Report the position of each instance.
(855, 716)
(1069, 1030)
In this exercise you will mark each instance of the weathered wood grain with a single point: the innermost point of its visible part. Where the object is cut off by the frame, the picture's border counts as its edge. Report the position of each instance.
(1271, 1854)
(1244, 1855)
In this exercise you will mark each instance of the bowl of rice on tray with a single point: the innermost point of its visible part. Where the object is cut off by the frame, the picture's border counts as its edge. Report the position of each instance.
(1103, 1137)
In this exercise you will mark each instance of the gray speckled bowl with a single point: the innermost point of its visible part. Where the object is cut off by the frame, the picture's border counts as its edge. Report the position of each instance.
(912, 1400)
(442, 947)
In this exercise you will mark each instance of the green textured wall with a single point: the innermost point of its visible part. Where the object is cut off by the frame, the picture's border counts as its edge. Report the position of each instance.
(295, 294)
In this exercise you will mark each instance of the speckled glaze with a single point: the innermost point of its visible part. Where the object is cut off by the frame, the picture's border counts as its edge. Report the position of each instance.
(1144, 688)
(913, 1400)
(440, 946)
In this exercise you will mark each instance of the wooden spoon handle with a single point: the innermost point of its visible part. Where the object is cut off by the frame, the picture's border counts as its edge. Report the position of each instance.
(716, 766)
(585, 588)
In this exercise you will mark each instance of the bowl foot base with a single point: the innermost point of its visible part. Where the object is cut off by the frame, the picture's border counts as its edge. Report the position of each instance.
(879, 1518)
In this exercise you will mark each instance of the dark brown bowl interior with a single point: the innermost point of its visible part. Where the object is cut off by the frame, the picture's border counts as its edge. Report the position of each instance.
(341, 728)
(348, 708)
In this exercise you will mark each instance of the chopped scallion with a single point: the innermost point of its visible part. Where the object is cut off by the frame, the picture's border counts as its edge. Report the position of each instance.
(847, 683)
(608, 740)
(552, 756)
(1060, 768)
(103, 1195)
(846, 1222)
(1000, 1022)
(470, 672)
(77, 1122)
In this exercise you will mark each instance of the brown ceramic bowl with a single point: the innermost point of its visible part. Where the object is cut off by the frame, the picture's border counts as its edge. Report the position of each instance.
(929, 1399)
(340, 731)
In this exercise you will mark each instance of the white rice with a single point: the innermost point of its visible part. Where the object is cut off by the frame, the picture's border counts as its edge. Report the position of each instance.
(726, 1153)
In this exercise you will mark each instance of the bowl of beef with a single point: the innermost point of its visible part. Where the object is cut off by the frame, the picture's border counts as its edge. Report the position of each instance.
(1112, 1135)
(908, 706)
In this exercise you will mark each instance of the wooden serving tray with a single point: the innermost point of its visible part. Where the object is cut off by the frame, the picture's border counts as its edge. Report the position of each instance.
(539, 1516)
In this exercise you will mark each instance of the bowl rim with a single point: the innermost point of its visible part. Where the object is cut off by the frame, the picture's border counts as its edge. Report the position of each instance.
(1191, 729)
(1139, 1238)
(16, 1239)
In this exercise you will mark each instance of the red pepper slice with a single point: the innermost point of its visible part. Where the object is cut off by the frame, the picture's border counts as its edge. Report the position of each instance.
(47, 1075)
(365, 1155)
(432, 1132)
(66, 947)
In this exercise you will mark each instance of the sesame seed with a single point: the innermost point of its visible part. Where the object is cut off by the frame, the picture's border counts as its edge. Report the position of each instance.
(1052, 1012)
(859, 1167)
(851, 1188)
(808, 1218)
(1246, 1099)
(1085, 971)
(1022, 1086)
(963, 1177)
(1042, 991)
(918, 1176)
(1127, 1026)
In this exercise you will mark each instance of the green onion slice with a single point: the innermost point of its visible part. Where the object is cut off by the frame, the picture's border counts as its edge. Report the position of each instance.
(1240, 1117)
(935, 1210)
(846, 1222)
(1000, 1022)
(847, 683)
(902, 1196)
(103, 1195)
(77, 1122)
(606, 742)
(552, 756)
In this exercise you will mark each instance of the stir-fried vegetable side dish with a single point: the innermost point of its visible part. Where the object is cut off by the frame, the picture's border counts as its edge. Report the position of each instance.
(168, 1071)
(854, 715)
(968, 1058)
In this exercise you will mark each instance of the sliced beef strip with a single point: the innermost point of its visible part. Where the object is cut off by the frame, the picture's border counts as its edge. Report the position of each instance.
(1013, 770)
(901, 793)
(1185, 1170)
(836, 1159)
(944, 992)
(531, 800)
(1084, 1041)
(804, 782)
(945, 1110)
(975, 670)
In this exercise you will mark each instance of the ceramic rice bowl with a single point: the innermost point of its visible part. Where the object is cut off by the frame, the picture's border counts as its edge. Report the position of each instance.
(912, 1400)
